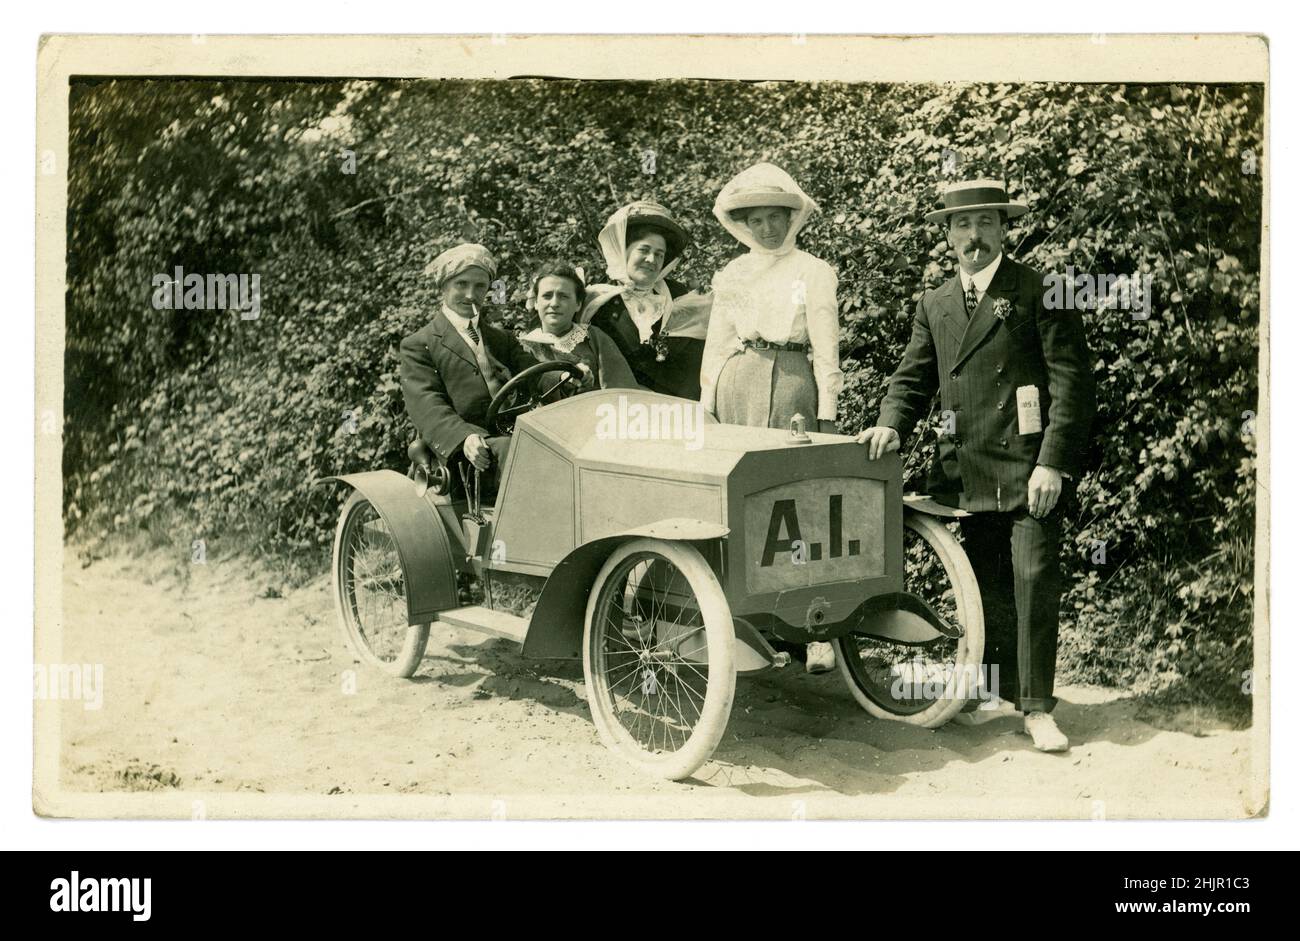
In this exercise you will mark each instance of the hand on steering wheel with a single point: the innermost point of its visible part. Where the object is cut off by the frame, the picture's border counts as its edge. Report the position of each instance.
(521, 394)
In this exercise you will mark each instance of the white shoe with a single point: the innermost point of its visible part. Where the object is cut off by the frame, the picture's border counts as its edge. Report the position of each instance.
(977, 713)
(638, 631)
(821, 657)
(1041, 727)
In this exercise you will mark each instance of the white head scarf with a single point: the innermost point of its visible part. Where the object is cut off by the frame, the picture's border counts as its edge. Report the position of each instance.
(687, 316)
(613, 239)
(763, 184)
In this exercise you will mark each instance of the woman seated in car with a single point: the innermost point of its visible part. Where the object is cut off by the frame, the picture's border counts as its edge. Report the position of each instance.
(557, 294)
(658, 324)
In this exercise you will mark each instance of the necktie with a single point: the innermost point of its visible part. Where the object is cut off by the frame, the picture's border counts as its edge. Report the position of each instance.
(493, 373)
(971, 300)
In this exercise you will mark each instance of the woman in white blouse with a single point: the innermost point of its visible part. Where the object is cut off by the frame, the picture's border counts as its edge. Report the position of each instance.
(773, 343)
(773, 346)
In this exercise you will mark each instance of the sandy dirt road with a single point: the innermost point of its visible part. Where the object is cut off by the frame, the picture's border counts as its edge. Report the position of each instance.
(255, 704)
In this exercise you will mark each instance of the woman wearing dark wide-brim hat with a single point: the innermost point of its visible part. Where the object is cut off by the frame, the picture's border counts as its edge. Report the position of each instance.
(658, 324)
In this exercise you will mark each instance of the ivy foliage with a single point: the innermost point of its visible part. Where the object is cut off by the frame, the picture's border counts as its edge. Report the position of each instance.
(337, 193)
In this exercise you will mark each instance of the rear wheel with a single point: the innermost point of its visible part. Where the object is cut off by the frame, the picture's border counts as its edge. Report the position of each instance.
(370, 592)
(922, 684)
(658, 656)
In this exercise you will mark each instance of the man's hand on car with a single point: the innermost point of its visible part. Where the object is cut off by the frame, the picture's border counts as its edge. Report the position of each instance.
(880, 440)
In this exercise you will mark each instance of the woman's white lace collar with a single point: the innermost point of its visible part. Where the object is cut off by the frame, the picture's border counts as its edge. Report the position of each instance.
(565, 344)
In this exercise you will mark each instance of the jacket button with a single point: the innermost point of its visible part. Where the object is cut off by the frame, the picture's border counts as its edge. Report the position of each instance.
(1004, 443)
(1002, 404)
(953, 374)
(999, 367)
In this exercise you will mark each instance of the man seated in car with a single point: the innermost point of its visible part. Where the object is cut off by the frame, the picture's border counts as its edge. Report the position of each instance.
(453, 366)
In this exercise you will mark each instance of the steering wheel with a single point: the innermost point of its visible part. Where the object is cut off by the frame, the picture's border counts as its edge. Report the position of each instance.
(521, 394)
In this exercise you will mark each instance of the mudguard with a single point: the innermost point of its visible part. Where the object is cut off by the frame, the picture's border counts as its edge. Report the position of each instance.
(555, 629)
(921, 503)
(428, 565)
(903, 618)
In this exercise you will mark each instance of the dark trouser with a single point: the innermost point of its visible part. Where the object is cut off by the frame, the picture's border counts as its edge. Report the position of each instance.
(1016, 559)
(490, 479)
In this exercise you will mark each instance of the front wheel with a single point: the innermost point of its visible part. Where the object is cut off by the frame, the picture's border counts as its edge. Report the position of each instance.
(370, 592)
(658, 655)
(922, 684)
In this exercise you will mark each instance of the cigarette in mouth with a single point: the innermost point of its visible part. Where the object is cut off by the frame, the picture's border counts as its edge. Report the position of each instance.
(975, 253)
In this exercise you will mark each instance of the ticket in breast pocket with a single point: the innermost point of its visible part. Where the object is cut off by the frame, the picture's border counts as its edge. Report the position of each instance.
(1028, 411)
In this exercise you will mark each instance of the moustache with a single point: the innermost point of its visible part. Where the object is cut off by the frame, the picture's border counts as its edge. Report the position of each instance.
(970, 247)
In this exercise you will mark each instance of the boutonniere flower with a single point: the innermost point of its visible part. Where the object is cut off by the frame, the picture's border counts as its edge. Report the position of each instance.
(1002, 308)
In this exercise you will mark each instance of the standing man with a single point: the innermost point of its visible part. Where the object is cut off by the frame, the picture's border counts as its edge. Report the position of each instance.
(1016, 389)
(453, 366)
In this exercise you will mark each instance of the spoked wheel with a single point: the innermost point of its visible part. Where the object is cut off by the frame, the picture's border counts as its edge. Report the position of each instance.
(922, 684)
(370, 592)
(658, 656)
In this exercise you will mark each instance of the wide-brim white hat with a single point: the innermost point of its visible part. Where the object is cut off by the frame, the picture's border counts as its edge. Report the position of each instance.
(754, 196)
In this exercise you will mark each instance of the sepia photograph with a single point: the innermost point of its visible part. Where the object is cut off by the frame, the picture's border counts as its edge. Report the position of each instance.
(782, 427)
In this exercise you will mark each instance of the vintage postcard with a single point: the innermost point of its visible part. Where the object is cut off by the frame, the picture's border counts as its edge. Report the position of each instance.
(652, 427)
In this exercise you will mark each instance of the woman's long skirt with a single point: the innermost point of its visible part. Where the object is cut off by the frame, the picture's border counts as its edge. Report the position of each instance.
(767, 388)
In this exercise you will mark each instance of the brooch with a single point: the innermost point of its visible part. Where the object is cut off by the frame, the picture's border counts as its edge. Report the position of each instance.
(1002, 308)
(659, 343)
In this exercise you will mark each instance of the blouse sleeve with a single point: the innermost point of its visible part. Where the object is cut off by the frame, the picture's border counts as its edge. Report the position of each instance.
(823, 312)
(720, 343)
(614, 371)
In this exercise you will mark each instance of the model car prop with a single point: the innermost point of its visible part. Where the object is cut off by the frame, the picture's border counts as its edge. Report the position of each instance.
(666, 551)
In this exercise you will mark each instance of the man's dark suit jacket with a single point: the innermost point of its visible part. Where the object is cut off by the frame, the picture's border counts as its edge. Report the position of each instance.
(446, 395)
(976, 367)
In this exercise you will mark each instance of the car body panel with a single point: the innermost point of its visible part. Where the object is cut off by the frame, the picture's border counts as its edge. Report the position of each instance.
(811, 528)
(800, 530)
(557, 621)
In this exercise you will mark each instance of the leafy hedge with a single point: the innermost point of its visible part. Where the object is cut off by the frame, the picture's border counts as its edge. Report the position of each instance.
(205, 425)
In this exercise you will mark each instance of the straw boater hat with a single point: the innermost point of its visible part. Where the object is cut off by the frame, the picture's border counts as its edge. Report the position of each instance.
(976, 194)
